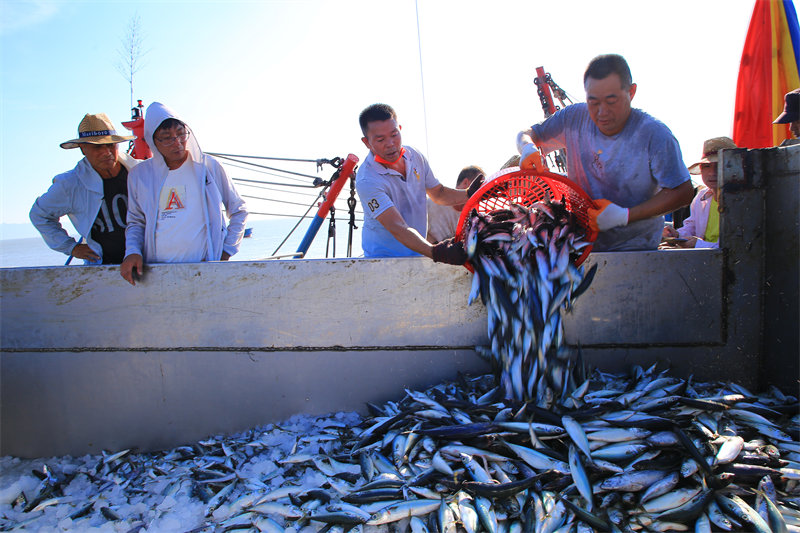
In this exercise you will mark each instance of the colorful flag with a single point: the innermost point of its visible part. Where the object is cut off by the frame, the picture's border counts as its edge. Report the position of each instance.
(769, 69)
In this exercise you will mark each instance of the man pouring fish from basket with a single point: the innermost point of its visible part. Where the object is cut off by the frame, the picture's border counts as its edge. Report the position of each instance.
(628, 162)
(393, 183)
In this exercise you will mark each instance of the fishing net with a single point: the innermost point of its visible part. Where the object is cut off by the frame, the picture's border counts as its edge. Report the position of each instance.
(526, 187)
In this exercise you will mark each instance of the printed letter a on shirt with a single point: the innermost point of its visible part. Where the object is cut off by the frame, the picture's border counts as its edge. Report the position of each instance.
(174, 201)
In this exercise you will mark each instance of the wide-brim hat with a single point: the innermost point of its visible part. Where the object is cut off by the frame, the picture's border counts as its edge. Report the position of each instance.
(791, 108)
(96, 129)
(710, 149)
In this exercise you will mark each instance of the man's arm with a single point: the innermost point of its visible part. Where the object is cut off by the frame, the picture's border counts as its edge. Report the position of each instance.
(446, 196)
(448, 251)
(529, 156)
(665, 201)
(547, 136)
(524, 138)
(45, 214)
(132, 266)
(135, 222)
(392, 220)
(85, 252)
(689, 227)
(609, 215)
(235, 209)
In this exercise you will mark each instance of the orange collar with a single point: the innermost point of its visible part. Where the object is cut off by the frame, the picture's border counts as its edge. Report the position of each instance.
(383, 161)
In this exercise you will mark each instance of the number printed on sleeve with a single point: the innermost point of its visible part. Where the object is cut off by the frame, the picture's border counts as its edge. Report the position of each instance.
(373, 205)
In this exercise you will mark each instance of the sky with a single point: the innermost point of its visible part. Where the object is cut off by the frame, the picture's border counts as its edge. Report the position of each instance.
(288, 78)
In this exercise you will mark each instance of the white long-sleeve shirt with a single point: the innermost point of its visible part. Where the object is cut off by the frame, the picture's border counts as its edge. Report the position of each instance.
(695, 225)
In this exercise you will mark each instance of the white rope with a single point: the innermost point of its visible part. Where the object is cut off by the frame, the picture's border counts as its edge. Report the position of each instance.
(422, 82)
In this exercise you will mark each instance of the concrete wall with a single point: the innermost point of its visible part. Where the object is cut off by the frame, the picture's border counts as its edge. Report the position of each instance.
(89, 362)
(57, 403)
(260, 305)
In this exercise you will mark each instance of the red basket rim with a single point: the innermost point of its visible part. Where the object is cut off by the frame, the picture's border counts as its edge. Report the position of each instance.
(509, 174)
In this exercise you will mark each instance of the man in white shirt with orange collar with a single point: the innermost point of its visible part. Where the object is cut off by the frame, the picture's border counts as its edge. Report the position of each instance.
(392, 184)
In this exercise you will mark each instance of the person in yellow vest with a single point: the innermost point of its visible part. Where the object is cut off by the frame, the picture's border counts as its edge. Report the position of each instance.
(701, 229)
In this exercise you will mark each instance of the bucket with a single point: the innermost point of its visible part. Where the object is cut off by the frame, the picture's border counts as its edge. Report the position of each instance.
(526, 187)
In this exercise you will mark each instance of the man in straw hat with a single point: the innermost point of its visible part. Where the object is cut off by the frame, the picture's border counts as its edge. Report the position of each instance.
(701, 229)
(627, 161)
(791, 116)
(94, 195)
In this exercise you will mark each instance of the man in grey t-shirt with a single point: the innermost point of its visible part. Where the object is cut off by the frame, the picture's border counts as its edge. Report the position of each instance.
(626, 160)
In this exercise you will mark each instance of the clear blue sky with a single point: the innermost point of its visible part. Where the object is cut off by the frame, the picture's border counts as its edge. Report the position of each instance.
(288, 78)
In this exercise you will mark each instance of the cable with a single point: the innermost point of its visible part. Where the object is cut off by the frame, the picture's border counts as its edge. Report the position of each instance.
(275, 183)
(299, 193)
(274, 214)
(422, 82)
(285, 215)
(259, 183)
(321, 193)
(281, 201)
(269, 168)
(272, 200)
(338, 200)
(228, 163)
(265, 157)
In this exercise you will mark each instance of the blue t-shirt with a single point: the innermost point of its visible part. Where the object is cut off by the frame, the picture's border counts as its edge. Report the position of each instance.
(380, 188)
(627, 168)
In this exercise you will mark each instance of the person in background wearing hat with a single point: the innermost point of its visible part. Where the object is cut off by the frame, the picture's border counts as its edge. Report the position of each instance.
(94, 195)
(791, 116)
(701, 229)
(177, 199)
(627, 161)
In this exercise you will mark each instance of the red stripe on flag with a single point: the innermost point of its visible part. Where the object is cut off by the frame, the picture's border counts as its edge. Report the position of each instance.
(752, 119)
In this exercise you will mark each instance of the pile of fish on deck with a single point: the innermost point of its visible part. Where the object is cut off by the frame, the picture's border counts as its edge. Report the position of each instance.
(535, 446)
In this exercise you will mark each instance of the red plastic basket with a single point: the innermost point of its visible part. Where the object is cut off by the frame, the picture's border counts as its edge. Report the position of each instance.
(526, 187)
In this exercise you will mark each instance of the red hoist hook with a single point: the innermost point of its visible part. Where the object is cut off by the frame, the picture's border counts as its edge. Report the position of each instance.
(139, 148)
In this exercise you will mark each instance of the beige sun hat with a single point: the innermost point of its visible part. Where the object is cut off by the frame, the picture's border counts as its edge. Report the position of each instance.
(710, 149)
(96, 129)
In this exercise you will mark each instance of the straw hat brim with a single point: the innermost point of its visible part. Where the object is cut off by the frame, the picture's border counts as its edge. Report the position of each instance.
(104, 139)
(710, 158)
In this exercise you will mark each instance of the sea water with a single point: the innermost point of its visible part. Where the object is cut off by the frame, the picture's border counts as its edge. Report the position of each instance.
(267, 235)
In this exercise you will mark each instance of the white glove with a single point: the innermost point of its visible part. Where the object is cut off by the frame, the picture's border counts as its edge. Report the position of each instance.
(529, 157)
(607, 216)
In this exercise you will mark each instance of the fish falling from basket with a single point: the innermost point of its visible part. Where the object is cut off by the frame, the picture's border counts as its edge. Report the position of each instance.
(526, 234)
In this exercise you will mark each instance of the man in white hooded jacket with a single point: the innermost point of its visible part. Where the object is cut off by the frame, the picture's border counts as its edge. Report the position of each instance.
(176, 201)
